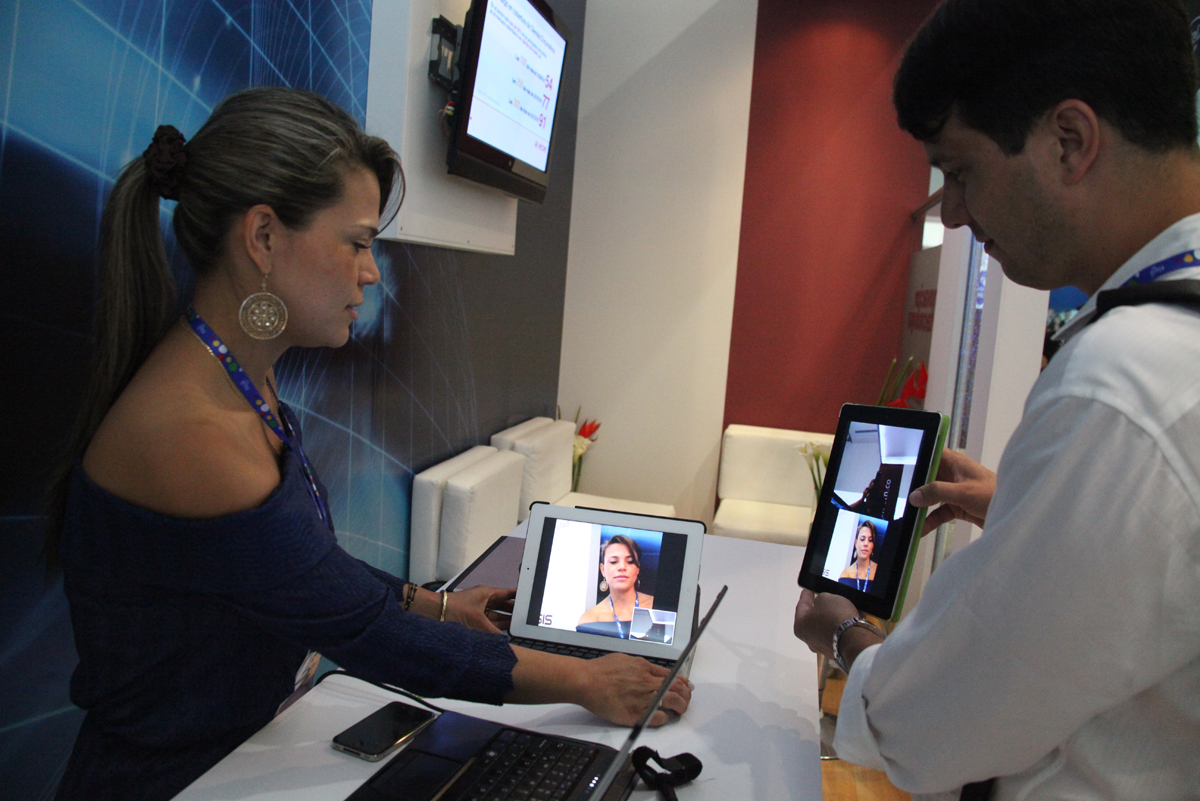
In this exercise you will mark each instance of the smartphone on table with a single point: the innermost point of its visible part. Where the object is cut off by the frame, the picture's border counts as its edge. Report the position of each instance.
(383, 731)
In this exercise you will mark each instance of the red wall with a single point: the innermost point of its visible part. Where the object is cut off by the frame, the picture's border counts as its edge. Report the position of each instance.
(826, 234)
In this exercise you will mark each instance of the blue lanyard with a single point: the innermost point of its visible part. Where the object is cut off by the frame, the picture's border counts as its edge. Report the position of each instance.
(1179, 261)
(280, 425)
(637, 604)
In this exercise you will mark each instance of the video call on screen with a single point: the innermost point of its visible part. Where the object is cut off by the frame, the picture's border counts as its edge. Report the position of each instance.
(870, 497)
(569, 591)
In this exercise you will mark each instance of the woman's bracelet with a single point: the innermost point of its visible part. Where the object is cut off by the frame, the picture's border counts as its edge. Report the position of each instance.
(445, 598)
(841, 629)
(410, 595)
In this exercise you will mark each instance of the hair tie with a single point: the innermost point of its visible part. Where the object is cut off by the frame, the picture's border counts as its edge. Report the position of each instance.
(166, 160)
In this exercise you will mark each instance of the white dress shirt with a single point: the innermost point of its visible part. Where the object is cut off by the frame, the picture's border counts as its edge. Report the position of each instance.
(1061, 650)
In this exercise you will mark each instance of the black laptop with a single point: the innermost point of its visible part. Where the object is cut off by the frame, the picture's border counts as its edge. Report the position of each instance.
(463, 758)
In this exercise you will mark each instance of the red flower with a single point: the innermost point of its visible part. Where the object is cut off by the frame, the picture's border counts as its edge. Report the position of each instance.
(587, 429)
(914, 387)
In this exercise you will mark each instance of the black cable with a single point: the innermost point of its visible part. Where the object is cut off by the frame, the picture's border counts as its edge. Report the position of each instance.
(383, 686)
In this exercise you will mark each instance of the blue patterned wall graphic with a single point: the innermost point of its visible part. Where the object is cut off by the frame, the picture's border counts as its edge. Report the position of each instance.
(449, 347)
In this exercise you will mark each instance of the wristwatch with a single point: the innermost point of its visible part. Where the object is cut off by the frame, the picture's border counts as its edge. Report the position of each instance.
(841, 629)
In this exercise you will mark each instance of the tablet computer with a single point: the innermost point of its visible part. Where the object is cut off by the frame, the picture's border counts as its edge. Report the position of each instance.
(641, 599)
(864, 536)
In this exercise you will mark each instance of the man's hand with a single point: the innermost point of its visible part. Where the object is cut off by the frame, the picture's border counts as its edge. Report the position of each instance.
(964, 488)
(817, 618)
(478, 607)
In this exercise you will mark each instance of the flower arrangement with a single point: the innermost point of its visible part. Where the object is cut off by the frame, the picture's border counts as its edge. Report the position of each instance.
(585, 435)
(817, 456)
(903, 394)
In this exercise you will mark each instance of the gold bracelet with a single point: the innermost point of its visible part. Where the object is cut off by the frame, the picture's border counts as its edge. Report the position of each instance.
(442, 616)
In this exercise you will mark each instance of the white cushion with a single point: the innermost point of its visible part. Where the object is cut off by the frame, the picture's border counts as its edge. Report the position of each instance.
(425, 531)
(769, 522)
(616, 504)
(547, 451)
(479, 506)
(504, 440)
(762, 464)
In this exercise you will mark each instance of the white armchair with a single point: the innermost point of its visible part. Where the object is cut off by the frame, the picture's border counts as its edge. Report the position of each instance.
(479, 507)
(462, 505)
(764, 485)
(428, 492)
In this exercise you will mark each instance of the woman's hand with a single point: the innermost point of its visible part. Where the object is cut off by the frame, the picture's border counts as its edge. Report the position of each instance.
(619, 688)
(478, 608)
(964, 488)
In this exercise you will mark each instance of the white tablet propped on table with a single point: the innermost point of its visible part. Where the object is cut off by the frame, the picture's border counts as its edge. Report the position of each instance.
(561, 594)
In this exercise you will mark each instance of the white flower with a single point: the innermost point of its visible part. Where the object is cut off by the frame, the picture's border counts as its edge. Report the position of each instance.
(581, 446)
(817, 456)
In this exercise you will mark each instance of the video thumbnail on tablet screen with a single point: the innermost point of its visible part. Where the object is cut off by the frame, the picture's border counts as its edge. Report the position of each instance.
(608, 581)
(870, 496)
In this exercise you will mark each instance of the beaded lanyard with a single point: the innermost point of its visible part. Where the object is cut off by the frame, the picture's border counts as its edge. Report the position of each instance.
(637, 604)
(1179, 261)
(861, 583)
(280, 425)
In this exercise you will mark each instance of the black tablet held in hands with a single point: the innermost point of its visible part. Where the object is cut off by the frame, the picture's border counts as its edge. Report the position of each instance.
(864, 536)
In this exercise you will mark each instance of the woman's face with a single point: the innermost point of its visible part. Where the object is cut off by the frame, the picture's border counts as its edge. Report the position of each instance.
(320, 270)
(619, 569)
(863, 543)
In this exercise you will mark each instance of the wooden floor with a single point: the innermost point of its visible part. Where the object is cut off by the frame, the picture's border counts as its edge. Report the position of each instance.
(845, 781)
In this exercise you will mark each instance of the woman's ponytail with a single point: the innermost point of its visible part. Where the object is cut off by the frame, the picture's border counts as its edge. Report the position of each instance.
(135, 302)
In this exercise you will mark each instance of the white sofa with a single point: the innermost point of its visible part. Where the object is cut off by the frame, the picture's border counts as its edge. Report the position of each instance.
(428, 493)
(764, 485)
(463, 504)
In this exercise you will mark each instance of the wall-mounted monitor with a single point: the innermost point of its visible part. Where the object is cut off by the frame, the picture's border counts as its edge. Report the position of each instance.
(511, 62)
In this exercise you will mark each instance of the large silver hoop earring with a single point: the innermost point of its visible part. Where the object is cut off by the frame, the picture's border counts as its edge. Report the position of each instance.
(603, 585)
(263, 315)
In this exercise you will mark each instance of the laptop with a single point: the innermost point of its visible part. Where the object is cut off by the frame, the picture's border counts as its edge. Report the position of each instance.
(641, 598)
(462, 758)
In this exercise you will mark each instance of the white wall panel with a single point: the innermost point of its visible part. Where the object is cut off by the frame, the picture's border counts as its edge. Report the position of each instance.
(656, 214)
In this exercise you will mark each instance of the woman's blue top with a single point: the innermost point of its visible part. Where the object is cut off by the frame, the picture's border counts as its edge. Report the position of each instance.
(858, 584)
(190, 632)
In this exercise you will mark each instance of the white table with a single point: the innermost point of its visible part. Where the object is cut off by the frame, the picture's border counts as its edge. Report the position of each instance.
(753, 719)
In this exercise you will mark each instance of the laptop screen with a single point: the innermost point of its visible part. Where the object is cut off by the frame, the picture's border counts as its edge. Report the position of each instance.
(608, 581)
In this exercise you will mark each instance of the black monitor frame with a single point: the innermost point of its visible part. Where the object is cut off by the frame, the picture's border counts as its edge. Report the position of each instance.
(476, 160)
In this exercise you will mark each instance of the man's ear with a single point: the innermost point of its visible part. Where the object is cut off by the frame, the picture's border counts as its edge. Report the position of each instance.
(260, 236)
(1076, 132)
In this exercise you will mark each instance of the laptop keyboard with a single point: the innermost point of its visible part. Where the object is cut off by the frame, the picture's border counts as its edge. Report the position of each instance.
(524, 765)
(575, 650)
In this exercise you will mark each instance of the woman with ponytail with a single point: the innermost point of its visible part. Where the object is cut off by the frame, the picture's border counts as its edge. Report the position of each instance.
(193, 534)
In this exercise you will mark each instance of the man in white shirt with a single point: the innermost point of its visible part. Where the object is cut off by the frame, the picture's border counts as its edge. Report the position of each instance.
(1059, 653)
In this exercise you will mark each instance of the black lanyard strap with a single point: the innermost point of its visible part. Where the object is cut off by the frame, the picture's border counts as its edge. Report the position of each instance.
(681, 769)
(1184, 291)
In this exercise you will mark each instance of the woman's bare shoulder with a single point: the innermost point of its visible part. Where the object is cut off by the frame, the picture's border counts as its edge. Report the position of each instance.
(848, 572)
(647, 601)
(165, 447)
(594, 615)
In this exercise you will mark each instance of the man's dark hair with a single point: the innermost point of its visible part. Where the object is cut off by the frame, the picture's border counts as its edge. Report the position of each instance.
(1002, 64)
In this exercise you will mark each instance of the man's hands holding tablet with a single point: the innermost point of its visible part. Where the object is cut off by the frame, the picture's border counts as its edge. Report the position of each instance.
(964, 488)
